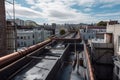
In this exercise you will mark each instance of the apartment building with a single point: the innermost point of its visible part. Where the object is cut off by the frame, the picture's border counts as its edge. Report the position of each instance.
(28, 37)
(114, 28)
(91, 32)
(18, 22)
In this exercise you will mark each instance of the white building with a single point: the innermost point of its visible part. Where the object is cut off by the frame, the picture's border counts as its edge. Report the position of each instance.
(89, 32)
(115, 30)
(57, 31)
(27, 38)
(46, 34)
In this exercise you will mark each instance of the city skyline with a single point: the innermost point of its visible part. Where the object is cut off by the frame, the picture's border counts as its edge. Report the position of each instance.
(64, 11)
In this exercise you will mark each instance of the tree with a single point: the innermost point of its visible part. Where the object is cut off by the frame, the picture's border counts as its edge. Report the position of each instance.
(62, 32)
(102, 23)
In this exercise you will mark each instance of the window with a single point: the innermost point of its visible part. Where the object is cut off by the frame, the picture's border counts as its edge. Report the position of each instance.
(33, 35)
(25, 37)
(17, 37)
(28, 37)
(33, 42)
(21, 43)
(89, 36)
(21, 37)
(25, 44)
(18, 44)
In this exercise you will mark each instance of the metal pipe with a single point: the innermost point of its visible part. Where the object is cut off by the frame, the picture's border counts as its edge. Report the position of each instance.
(5, 60)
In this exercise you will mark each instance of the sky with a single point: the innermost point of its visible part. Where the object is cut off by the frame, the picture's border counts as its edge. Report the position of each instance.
(65, 11)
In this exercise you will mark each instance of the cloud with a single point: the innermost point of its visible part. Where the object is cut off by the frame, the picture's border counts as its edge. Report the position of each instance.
(86, 3)
(107, 6)
(60, 11)
(109, 3)
(31, 2)
(87, 9)
(21, 11)
(59, 14)
(108, 14)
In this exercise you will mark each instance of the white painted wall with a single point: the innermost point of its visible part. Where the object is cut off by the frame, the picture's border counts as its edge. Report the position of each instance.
(87, 34)
(115, 29)
(27, 38)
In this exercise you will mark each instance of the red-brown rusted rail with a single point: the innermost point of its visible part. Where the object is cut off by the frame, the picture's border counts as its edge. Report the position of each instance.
(88, 64)
(75, 38)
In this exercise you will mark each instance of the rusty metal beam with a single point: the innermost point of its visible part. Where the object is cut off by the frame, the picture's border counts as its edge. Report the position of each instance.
(5, 60)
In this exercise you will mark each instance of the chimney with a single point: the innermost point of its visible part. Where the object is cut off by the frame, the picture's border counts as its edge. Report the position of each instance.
(2, 28)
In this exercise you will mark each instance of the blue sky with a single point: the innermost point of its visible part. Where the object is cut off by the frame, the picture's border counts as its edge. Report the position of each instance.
(66, 11)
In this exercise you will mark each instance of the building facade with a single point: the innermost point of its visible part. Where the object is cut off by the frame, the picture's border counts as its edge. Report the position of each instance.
(92, 32)
(115, 30)
(18, 22)
(26, 37)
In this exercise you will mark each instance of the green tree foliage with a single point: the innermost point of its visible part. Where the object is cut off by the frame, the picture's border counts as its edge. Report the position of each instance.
(102, 23)
(62, 32)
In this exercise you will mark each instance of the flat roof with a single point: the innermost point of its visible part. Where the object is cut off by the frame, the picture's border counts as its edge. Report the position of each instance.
(43, 67)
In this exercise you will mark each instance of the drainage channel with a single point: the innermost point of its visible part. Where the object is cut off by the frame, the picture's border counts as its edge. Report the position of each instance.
(69, 68)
